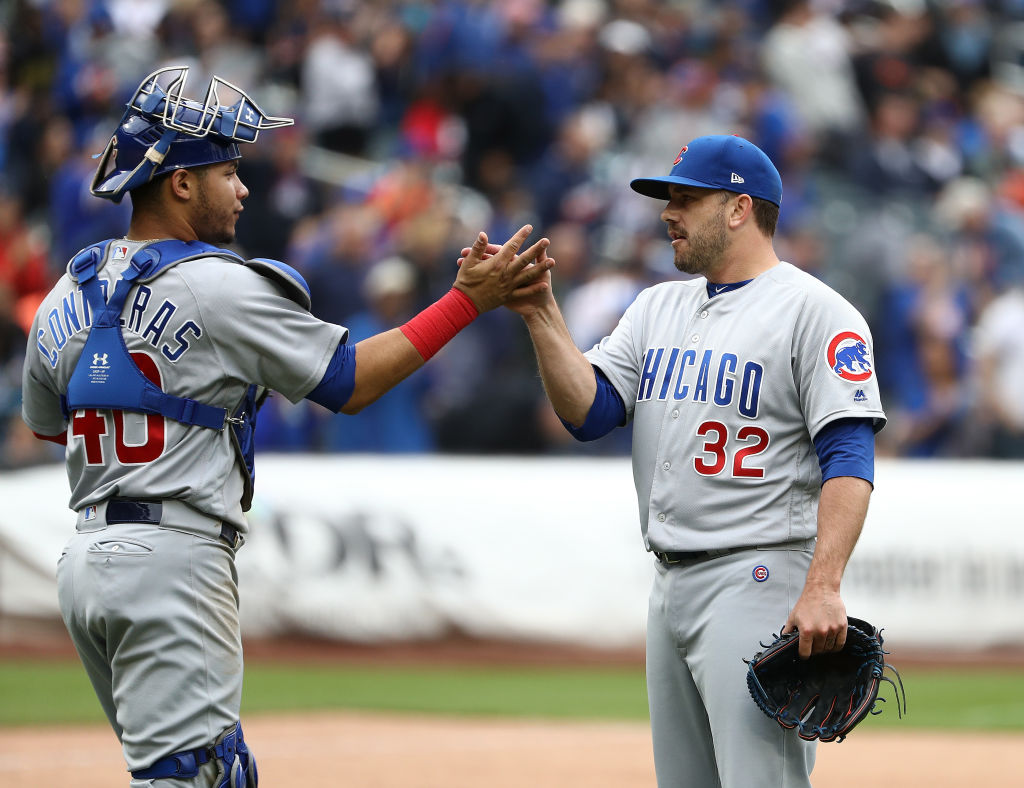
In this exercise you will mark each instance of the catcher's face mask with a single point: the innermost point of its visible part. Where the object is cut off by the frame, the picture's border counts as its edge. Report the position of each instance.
(161, 130)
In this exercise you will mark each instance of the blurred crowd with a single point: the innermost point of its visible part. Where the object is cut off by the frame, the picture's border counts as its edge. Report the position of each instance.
(898, 128)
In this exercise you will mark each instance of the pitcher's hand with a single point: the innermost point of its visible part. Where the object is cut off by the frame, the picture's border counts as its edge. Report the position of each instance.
(532, 285)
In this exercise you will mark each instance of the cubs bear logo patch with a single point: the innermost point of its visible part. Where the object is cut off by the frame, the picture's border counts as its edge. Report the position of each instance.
(848, 356)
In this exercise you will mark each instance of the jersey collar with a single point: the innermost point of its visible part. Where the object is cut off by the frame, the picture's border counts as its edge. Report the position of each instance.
(717, 289)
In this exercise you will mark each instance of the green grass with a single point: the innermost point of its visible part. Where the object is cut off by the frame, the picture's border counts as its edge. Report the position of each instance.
(521, 692)
(45, 692)
(984, 700)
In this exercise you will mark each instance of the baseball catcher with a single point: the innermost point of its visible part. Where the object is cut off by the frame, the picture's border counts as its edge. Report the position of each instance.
(825, 696)
(149, 360)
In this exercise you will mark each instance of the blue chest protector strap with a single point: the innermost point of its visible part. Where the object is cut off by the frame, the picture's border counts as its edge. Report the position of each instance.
(105, 376)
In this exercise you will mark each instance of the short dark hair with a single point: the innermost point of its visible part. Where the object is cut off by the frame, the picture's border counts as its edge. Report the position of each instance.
(145, 196)
(766, 214)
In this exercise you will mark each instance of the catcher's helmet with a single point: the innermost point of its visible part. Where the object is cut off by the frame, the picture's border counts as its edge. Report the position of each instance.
(161, 131)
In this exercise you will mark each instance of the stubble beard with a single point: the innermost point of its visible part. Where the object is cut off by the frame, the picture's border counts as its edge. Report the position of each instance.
(705, 247)
(217, 225)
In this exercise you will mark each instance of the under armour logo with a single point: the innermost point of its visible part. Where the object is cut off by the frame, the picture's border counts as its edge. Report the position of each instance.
(736, 178)
(250, 116)
(99, 359)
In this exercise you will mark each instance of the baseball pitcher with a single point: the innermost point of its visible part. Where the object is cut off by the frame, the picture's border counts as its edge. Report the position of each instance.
(754, 405)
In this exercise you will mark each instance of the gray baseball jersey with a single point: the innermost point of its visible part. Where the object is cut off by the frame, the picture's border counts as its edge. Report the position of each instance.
(726, 395)
(205, 329)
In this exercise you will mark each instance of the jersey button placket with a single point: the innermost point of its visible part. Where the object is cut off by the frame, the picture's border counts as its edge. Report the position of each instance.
(666, 465)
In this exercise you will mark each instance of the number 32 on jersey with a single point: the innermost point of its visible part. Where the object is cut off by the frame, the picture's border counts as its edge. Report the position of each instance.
(722, 450)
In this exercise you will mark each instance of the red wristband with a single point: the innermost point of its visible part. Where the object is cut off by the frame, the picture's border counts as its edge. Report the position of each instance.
(432, 328)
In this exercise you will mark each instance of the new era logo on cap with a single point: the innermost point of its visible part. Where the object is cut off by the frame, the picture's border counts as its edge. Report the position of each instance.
(718, 161)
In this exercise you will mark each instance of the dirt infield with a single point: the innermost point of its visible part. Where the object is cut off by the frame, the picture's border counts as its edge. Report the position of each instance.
(388, 751)
(370, 750)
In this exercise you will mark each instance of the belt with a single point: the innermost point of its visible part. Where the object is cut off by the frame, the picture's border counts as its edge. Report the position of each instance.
(124, 510)
(678, 557)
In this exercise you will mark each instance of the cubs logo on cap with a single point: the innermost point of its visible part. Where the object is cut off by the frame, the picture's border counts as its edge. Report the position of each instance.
(849, 357)
(718, 161)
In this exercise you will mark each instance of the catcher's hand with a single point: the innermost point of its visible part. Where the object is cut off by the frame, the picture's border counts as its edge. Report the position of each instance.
(826, 695)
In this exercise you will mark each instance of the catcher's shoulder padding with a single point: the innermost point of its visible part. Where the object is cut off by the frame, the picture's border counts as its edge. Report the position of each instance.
(825, 696)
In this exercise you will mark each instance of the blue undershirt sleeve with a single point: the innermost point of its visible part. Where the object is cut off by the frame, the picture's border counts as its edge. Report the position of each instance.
(846, 447)
(606, 412)
(339, 381)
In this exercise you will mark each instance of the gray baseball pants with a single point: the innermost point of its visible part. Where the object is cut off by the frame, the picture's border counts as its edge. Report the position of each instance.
(153, 613)
(705, 616)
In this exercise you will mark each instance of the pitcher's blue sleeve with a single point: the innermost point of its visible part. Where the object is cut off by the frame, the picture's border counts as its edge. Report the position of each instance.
(339, 381)
(846, 447)
(606, 412)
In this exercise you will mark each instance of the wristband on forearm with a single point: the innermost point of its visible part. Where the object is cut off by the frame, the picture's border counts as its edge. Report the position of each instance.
(432, 328)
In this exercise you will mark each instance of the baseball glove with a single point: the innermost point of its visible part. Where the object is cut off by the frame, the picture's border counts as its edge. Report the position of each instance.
(825, 696)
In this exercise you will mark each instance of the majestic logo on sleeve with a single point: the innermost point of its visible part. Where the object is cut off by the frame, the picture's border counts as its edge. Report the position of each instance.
(848, 357)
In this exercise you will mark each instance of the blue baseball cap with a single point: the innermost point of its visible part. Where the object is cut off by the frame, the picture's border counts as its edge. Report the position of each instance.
(718, 161)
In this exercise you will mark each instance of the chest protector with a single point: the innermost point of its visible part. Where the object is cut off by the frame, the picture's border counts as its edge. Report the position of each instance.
(106, 377)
